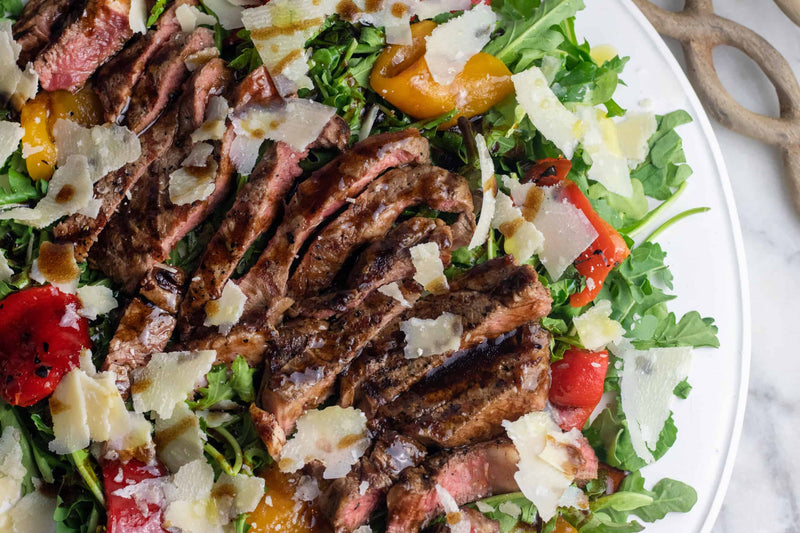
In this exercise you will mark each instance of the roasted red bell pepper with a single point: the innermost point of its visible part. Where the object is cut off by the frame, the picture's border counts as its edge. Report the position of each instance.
(130, 511)
(577, 385)
(608, 249)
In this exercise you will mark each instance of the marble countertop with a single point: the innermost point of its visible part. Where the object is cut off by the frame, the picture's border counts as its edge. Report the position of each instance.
(764, 494)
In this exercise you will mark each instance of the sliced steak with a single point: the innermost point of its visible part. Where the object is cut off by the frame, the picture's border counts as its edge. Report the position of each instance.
(465, 401)
(147, 324)
(305, 380)
(82, 230)
(478, 523)
(38, 25)
(115, 80)
(349, 502)
(373, 213)
(317, 198)
(163, 78)
(468, 474)
(253, 212)
(385, 261)
(491, 299)
(84, 45)
(146, 228)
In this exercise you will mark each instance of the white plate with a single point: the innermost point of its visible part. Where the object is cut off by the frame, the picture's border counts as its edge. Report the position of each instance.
(706, 256)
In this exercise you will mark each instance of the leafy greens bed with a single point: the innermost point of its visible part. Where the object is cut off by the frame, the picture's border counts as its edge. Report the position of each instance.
(529, 33)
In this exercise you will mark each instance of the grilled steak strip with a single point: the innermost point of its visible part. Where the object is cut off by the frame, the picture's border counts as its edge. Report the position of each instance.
(347, 503)
(147, 227)
(84, 45)
(147, 324)
(493, 298)
(468, 474)
(115, 80)
(39, 24)
(385, 261)
(465, 401)
(253, 212)
(82, 230)
(308, 378)
(372, 214)
(317, 198)
(163, 78)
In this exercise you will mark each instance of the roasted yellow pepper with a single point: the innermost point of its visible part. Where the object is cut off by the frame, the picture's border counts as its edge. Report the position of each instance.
(38, 116)
(282, 513)
(401, 76)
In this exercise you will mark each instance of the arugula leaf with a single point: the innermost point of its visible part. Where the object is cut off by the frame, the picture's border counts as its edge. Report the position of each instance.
(665, 167)
(226, 385)
(10, 8)
(682, 389)
(509, 522)
(691, 330)
(156, 11)
(668, 496)
(526, 26)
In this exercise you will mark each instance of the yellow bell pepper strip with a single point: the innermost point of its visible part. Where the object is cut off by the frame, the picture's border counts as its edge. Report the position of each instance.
(38, 116)
(401, 76)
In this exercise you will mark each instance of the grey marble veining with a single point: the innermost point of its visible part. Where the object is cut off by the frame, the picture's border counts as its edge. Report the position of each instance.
(764, 493)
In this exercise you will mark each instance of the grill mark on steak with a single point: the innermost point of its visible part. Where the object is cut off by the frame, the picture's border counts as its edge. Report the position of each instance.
(491, 299)
(147, 324)
(464, 402)
(162, 78)
(372, 214)
(468, 474)
(296, 382)
(253, 213)
(84, 45)
(39, 24)
(146, 228)
(317, 198)
(83, 230)
(384, 261)
(346, 505)
(115, 80)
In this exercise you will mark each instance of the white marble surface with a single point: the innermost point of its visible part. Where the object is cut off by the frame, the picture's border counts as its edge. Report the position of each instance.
(764, 494)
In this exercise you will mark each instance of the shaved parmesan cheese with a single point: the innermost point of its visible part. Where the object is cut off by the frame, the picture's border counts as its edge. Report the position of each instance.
(574, 497)
(244, 153)
(510, 508)
(471, 32)
(137, 441)
(70, 190)
(428, 267)
(363, 529)
(190, 507)
(600, 141)
(392, 290)
(179, 439)
(96, 300)
(522, 239)
(229, 15)
(15, 85)
(484, 507)
(12, 471)
(238, 494)
(335, 436)
(213, 128)
(68, 409)
(427, 9)
(194, 180)
(168, 379)
(198, 59)
(106, 147)
(546, 111)
(595, 327)
(5, 270)
(192, 481)
(227, 310)
(489, 185)
(426, 337)
(567, 232)
(137, 16)
(307, 489)
(297, 123)
(545, 468)
(33, 514)
(56, 265)
(10, 135)
(634, 133)
(647, 380)
(190, 17)
(454, 517)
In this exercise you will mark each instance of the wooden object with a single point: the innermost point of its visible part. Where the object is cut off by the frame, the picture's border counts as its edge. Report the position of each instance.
(700, 30)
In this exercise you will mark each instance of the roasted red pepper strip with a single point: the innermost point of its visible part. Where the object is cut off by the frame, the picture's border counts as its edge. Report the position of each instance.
(131, 513)
(577, 385)
(608, 249)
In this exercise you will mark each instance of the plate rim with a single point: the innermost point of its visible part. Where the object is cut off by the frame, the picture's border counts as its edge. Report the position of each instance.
(741, 262)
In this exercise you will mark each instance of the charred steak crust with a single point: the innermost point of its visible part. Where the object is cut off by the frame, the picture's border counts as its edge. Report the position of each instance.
(40, 23)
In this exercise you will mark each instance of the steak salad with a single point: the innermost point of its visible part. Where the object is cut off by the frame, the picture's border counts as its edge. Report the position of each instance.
(332, 265)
